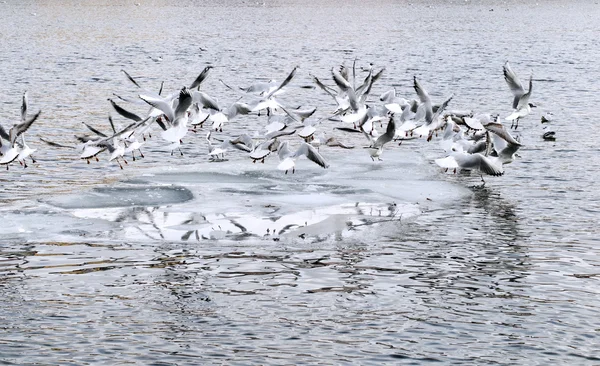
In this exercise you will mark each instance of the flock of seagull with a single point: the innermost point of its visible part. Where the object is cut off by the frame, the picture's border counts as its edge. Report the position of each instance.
(478, 142)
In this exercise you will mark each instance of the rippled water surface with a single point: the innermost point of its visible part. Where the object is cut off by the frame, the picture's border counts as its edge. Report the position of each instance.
(178, 260)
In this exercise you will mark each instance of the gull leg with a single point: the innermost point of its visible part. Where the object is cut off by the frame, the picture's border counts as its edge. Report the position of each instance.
(97, 158)
(141, 154)
(118, 162)
(32, 159)
(181, 152)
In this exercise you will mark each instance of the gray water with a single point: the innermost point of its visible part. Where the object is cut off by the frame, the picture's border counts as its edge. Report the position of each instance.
(169, 260)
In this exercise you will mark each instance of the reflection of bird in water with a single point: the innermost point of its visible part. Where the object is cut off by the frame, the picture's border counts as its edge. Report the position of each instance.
(136, 214)
(504, 218)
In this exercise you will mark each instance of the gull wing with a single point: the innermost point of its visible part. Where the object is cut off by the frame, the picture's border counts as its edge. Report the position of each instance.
(160, 103)
(203, 75)
(478, 161)
(441, 108)
(499, 130)
(284, 83)
(18, 129)
(24, 108)
(3, 135)
(340, 81)
(311, 154)
(324, 87)
(425, 99)
(206, 100)
(514, 83)
(185, 101)
(390, 132)
(524, 100)
(55, 144)
(130, 78)
(94, 130)
(125, 113)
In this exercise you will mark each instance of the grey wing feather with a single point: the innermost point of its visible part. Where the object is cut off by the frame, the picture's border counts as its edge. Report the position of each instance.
(489, 167)
(206, 100)
(441, 108)
(424, 97)
(24, 108)
(388, 136)
(125, 113)
(312, 154)
(499, 130)
(324, 87)
(375, 77)
(524, 100)
(94, 130)
(185, 101)
(112, 124)
(284, 83)
(243, 139)
(130, 78)
(18, 129)
(203, 75)
(3, 134)
(340, 81)
(55, 144)
(160, 104)
(276, 134)
(506, 154)
(513, 83)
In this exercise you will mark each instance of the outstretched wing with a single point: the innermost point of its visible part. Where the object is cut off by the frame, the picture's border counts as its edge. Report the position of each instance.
(284, 83)
(125, 113)
(513, 83)
(312, 154)
(18, 129)
(203, 75)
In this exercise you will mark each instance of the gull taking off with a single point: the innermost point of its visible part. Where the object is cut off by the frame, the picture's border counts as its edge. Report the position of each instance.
(520, 104)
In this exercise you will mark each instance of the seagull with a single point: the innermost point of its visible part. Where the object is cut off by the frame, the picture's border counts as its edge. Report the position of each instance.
(504, 144)
(267, 93)
(521, 103)
(11, 151)
(243, 142)
(175, 121)
(288, 159)
(376, 147)
(463, 160)
(432, 120)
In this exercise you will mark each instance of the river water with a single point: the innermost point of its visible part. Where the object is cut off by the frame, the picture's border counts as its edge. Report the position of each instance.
(178, 260)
